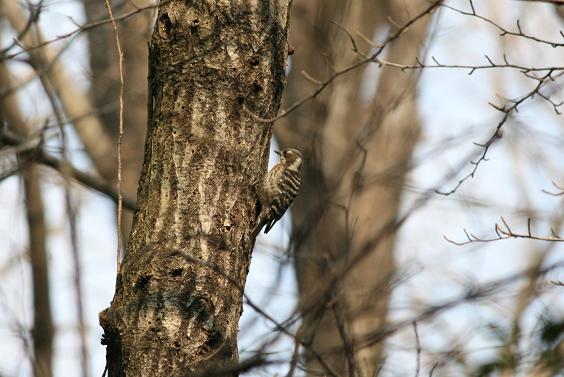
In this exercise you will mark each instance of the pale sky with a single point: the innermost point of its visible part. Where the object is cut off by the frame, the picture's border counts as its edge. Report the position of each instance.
(455, 111)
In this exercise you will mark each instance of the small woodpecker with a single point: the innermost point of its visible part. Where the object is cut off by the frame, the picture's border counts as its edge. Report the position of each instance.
(279, 188)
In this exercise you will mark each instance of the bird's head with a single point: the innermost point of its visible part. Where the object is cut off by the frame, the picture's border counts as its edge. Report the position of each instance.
(291, 158)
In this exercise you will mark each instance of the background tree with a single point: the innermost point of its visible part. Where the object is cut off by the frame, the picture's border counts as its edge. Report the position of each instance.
(105, 89)
(42, 321)
(357, 150)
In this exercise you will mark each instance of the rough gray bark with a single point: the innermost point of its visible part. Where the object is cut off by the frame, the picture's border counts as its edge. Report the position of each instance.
(179, 293)
(357, 151)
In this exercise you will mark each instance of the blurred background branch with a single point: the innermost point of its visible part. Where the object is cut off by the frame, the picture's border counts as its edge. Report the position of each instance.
(395, 105)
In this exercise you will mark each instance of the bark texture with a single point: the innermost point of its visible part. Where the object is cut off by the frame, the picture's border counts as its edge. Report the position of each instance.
(179, 294)
(357, 151)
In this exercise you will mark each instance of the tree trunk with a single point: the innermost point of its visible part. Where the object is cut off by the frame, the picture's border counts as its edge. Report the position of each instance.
(179, 293)
(43, 330)
(357, 152)
(42, 321)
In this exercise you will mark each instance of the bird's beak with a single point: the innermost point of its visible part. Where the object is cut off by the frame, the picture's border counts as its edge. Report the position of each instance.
(277, 152)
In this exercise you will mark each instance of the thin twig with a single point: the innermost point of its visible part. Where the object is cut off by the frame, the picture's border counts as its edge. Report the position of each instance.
(504, 31)
(504, 233)
(119, 141)
(352, 67)
(473, 294)
(82, 29)
(420, 65)
(497, 132)
(72, 100)
(294, 359)
(558, 187)
(353, 369)
(418, 350)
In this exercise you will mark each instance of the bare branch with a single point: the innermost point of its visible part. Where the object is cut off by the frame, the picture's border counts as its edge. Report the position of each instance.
(497, 134)
(471, 67)
(507, 233)
(84, 178)
(80, 29)
(503, 31)
(119, 141)
(75, 102)
(417, 350)
(339, 73)
(558, 187)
